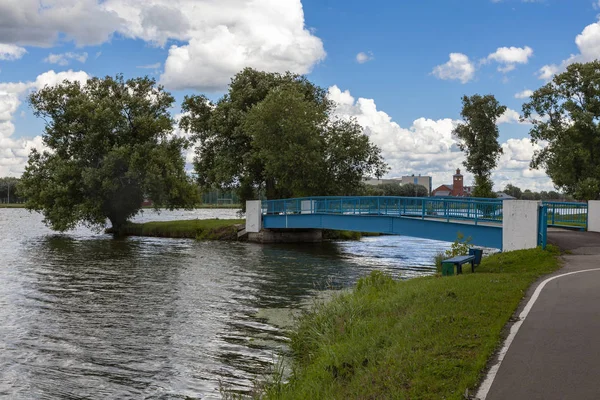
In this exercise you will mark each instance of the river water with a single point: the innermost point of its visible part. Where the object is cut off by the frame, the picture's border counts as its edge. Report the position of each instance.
(85, 316)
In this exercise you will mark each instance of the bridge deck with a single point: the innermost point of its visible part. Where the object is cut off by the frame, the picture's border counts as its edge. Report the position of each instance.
(428, 217)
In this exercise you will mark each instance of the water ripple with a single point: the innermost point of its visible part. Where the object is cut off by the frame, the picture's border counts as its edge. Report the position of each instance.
(85, 316)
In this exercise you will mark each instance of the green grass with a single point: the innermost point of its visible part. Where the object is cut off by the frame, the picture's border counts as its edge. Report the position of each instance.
(203, 229)
(11, 205)
(579, 220)
(425, 338)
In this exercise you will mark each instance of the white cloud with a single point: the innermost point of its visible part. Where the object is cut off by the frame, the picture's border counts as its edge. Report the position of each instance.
(11, 52)
(458, 67)
(596, 4)
(150, 66)
(588, 43)
(213, 39)
(363, 57)
(14, 152)
(65, 58)
(508, 57)
(41, 23)
(513, 167)
(51, 78)
(224, 38)
(510, 116)
(548, 71)
(221, 38)
(428, 147)
(524, 94)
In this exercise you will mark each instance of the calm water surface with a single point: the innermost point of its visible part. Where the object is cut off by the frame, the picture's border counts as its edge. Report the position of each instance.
(84, 316)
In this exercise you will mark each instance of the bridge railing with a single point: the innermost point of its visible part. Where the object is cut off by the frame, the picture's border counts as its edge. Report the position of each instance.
(568, 214)
(477, 210)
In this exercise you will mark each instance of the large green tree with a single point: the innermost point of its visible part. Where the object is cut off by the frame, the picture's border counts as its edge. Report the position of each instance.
(513, 191)
(478, 138)
(110, 146)
(275, 134)
(565, 114)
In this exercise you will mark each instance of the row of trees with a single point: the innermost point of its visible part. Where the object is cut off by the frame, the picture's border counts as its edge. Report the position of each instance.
(527, 194)
(112, 146)
(565, 119)
(395, 189)
(8, 190)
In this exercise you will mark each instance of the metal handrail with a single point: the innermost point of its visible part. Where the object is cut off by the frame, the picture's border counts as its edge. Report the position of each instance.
(488, 210)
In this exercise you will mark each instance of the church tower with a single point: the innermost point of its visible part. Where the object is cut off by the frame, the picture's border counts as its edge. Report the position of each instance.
(457, 185)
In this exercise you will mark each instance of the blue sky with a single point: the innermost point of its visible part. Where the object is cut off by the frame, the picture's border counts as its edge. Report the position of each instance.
(399, 67)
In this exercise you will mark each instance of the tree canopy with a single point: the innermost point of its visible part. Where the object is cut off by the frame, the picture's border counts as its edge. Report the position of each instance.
(395, 189)
(527, 194)
(110, 146)
(275, 134)
(565, 114)
(478, 138)
(8, 190)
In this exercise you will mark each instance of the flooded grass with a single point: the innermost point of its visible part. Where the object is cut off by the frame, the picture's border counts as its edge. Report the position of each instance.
(202, 229)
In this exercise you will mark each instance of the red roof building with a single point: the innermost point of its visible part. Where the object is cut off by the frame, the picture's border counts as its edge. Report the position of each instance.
(456, 189)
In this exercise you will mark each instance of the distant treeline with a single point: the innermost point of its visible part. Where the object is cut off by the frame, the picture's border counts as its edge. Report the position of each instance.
(527, 194)
(412, 190)
(9, 191)
(396, 189)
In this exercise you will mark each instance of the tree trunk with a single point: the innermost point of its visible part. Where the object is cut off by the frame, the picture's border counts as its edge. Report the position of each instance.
(117, 225)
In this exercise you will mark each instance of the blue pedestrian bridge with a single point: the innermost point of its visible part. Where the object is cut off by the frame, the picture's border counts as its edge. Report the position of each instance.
(424, 217)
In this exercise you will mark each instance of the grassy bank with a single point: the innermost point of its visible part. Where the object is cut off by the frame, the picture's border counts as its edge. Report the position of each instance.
(11, 205)
(205, 229)
(210, 229)
(426, 338)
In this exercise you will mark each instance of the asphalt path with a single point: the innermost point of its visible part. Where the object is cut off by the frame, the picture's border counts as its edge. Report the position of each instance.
(556, 351)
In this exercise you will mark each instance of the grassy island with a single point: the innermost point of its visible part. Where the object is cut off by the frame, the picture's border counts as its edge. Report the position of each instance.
(204, 229)
(425, 338)
(12, 205)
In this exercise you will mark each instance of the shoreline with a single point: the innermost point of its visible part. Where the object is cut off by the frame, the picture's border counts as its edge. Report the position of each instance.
(430, 337)
(211, 229)
(197, 207)
(199, 229)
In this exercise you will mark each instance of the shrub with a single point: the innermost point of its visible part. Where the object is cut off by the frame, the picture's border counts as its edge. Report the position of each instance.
(460, 247)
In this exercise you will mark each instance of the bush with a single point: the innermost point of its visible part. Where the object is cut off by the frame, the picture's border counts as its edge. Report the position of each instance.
(437, 260)
(460, 247)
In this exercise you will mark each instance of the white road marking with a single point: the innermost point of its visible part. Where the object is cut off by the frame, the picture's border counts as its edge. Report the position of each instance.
(491, 375)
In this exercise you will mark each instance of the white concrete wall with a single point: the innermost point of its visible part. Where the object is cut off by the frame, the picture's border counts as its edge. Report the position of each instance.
(307, 206)
(253, 216)
(519, 225)
(594, 216)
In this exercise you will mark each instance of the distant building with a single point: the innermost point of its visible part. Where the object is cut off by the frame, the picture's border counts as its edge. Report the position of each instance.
(375, 182)
(504, 196)
(418, 180)
(424, 181)
(456, 189)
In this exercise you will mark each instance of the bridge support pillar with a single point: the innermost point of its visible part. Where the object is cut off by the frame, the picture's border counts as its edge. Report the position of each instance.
(593, 216)
(520, 221)
(253, 216)
(287, 236)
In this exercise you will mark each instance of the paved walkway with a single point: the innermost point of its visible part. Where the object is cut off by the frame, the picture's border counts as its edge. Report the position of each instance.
(556, 352)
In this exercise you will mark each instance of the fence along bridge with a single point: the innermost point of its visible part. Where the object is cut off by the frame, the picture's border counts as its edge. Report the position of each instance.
(506, 225)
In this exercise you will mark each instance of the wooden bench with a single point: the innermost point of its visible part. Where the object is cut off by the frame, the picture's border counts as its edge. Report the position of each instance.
(448, 265)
